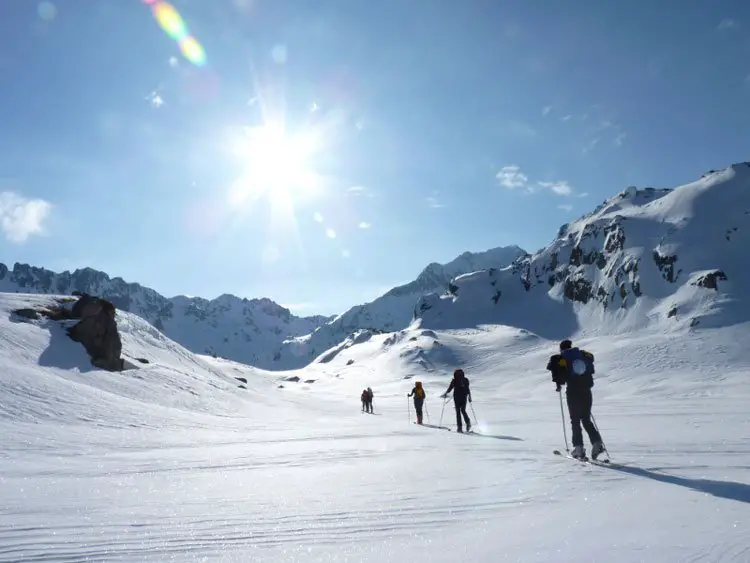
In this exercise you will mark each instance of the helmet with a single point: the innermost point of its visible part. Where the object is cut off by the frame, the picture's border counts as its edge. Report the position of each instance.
(566, 345)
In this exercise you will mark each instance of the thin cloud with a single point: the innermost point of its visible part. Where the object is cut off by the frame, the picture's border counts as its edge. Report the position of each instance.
(620, 139)
(546, 110)
(566, 117)
(364, 225)
(560, 187)
(727, 24)
(359, 191)
(521, 129)
(565, 207)
(174, 62)
(330, 233)
(155, 100)
(511, 177)
(433, 203)
(591, 145)
(21, 218)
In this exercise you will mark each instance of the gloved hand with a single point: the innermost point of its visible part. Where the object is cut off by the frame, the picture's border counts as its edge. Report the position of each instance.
(443, 396)
(469, 398)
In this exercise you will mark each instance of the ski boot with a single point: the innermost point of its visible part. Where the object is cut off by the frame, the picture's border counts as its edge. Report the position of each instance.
(578, 452)
(597, 449)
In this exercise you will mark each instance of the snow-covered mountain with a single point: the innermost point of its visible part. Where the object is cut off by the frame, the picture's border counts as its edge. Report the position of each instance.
(248, 330)
(257, 332)
(642, 257)
(394, 310)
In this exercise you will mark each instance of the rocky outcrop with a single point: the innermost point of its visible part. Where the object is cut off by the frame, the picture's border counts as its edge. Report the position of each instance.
(710, 280)
(654, 244)
(88, 320)
(96, 329)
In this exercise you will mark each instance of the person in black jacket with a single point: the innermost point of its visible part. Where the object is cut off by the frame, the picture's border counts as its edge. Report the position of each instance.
(461, 393)
(574, 368)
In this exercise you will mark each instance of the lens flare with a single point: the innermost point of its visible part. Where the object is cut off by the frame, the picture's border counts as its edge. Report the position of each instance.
(173, 25)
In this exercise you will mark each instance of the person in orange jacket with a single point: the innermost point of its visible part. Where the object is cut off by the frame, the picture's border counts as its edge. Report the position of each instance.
(419, 395)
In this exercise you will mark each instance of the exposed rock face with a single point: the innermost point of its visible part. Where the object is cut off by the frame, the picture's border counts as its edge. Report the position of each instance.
(709, 280)
(637, 259)
(97, 331)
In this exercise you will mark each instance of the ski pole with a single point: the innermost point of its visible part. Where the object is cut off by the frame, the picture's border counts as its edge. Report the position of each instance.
(593, 420)
(408, 409)
(426, 411)
(562, 416)
(475, 414)
(442, 411)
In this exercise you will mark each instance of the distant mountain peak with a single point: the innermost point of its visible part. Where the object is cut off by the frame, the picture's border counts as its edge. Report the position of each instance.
(661, 259)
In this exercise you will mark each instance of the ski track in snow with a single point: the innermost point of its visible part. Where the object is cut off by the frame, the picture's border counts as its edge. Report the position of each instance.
(173, 462)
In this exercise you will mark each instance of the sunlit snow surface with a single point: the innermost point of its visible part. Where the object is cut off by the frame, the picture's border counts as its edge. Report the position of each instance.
(175, 462)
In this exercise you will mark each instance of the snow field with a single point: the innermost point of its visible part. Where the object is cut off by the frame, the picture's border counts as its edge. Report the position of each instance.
(175, 462)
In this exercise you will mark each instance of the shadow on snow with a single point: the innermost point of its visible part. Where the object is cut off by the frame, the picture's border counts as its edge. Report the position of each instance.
(731, 490)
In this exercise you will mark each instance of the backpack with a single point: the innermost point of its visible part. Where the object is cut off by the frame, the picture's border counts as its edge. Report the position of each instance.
(419, 391)
(580, 364)
(462, 385)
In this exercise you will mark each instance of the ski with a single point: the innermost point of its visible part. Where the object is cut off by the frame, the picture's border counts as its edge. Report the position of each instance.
(599, 462)
(435, 426)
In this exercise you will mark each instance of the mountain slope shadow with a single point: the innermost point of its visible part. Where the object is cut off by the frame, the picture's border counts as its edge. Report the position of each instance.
(62, 352)
(731, 490)
(541, 315)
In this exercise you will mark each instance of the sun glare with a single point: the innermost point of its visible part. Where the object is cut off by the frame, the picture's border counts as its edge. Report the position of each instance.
(277, 166)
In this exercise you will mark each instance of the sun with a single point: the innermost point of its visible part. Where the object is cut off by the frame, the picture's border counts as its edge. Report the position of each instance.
(277, 165)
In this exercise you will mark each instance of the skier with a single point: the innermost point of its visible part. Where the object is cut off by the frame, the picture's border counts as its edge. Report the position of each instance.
(364, 397)
(419, 397)
(461, 392)
(368, 400)
(574, 368)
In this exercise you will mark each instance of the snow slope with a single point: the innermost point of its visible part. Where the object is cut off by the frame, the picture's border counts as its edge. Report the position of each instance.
(258, 332)
(246, 329)
(174, 461)
(393, 310)
(644, 259)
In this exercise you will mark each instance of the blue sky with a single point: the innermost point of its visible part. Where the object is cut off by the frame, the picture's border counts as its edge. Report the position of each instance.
(431, 128)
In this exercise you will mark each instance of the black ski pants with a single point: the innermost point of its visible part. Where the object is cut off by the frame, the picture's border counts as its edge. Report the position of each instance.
(460, 404)
(579, 407)
(418, 404)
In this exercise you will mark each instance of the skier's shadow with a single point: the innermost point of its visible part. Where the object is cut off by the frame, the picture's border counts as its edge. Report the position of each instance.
(499, 437)
(731, 490)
